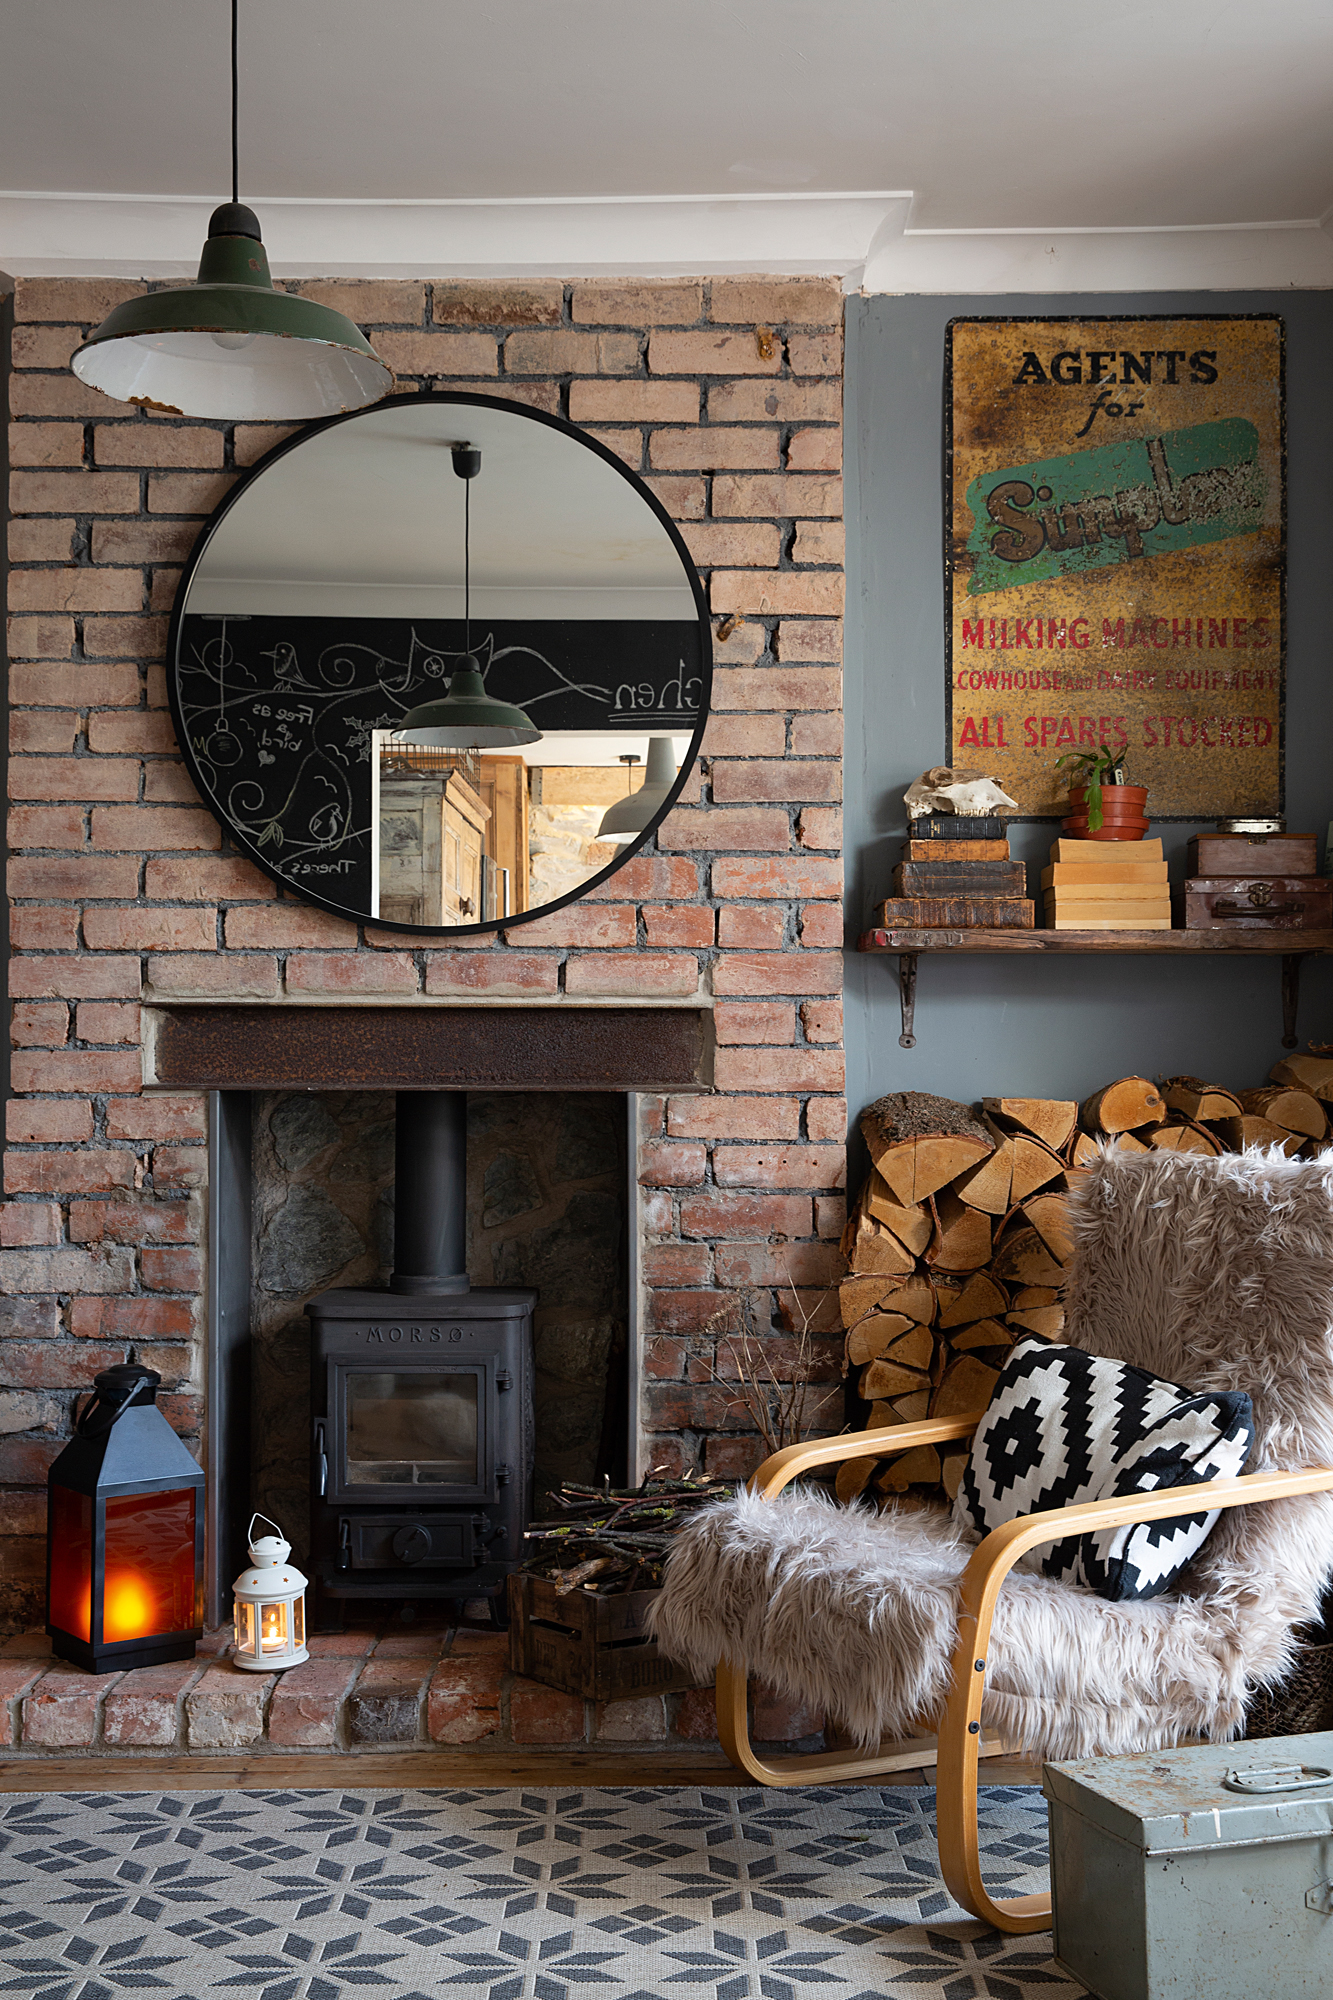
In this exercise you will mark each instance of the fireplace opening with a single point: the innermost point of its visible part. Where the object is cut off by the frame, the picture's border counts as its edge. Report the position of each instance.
(403, 1429)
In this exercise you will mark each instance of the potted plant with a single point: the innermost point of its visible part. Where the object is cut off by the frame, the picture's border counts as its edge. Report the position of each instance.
(1102, 805)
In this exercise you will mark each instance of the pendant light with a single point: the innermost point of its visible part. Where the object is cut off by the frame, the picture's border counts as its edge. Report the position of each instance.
(633, 813)
(229, 346)
(467, 718)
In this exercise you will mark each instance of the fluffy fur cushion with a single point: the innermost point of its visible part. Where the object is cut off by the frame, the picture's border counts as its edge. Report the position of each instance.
(1216, 1273)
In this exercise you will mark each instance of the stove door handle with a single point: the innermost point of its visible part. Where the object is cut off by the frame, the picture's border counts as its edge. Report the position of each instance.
(321, 1460)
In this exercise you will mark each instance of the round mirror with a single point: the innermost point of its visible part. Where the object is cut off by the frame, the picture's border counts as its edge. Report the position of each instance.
(442, 664)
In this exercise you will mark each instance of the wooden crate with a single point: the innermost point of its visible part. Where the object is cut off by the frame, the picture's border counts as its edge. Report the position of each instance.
(588, 1645)
(1265, 854)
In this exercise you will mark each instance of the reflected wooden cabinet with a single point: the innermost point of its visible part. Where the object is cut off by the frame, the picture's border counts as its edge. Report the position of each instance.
(503, 784)
(432, 842)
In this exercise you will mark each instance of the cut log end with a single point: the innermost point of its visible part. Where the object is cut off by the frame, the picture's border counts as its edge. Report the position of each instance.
(1050, 1119)
(1200, 1100)
(920, 1142)
(1294, 1109)
(1124, 1106)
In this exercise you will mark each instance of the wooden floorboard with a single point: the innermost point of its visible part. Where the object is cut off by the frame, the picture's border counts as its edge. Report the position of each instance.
(379, 1771)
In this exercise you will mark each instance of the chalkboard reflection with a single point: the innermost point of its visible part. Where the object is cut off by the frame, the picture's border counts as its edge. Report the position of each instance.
(324, 604)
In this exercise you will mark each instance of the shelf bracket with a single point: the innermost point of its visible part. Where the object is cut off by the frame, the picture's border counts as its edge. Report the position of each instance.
(1291, 995)
(907, 997)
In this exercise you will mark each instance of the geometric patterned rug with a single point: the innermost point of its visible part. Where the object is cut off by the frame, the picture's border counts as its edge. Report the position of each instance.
(547, 1893)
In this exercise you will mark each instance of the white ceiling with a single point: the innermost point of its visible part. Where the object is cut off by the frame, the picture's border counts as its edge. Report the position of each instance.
(727, 115)
(366, 520)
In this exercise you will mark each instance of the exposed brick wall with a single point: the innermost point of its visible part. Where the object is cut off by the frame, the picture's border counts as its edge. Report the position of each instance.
(726, 396)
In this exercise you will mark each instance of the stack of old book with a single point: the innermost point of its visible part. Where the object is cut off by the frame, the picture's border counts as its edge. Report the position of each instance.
(1106, 885)
(956, 874)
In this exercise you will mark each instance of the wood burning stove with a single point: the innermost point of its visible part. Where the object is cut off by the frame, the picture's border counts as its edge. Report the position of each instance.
(421, 1468)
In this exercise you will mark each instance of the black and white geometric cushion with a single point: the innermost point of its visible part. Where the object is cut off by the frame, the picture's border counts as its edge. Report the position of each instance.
(1064, 1427)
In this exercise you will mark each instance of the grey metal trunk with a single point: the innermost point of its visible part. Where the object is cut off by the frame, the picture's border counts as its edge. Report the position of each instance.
(1179, 1873)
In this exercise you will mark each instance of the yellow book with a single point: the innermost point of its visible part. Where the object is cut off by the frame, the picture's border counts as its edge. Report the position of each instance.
(1075, 921)
(1111, 895)
(1091, 851)
(1115, 895)
(1084, 872)
(1110, 906)
(1125, 912)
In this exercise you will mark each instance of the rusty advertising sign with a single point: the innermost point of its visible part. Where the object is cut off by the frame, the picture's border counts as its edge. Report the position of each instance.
(1116, 555)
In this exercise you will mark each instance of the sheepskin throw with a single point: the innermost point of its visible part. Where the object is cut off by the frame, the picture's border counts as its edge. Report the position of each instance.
(1064, 1426)
(1216, 1273)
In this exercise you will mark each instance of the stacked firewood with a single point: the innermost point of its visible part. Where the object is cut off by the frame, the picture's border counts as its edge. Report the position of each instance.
(958, 1242)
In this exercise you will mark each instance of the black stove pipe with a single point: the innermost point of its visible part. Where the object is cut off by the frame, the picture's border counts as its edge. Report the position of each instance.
(430, 1192)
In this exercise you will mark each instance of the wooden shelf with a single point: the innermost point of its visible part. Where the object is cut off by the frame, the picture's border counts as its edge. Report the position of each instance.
(1292, 947)
(1240, 943)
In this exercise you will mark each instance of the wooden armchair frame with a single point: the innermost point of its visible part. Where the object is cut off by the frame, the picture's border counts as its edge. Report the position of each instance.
(959, 1738)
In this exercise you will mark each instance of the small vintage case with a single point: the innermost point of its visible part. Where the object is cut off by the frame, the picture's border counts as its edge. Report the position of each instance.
(1259, 902)
(1180, 1874)
(1253, 854)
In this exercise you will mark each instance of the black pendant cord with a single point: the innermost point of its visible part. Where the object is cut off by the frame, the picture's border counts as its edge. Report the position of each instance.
(235, 92)
(467, 568)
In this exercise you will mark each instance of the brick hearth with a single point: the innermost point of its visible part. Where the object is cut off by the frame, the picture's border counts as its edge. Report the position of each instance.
(725, 395)
(418, 1688)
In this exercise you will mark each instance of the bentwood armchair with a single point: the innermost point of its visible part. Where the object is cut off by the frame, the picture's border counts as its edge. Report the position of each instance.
(1214, 1273)
(959, 1736)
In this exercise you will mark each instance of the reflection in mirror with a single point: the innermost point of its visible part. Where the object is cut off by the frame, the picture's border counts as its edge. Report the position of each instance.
(330, 599)
(472, 836)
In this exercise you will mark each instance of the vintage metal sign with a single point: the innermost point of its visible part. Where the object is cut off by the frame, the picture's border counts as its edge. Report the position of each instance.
(1115, 563)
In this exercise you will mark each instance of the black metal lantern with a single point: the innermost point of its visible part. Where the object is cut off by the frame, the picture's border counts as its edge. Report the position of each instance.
(125, 1533)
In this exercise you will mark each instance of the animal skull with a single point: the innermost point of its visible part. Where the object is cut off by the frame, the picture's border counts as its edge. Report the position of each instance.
(944, 789)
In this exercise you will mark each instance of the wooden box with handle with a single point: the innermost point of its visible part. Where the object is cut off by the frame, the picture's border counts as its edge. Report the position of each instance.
(1259, 902)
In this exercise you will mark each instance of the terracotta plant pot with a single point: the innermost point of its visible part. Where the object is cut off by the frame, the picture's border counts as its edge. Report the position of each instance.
(1124, 815)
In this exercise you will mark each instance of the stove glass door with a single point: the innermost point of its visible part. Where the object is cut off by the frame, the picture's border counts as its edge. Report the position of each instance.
(413, 1431)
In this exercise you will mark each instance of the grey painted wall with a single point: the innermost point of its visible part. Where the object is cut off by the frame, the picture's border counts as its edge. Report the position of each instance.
(1054, 1027)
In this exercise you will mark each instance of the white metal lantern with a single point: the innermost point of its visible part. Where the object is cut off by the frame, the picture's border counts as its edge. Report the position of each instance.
(270, 1605)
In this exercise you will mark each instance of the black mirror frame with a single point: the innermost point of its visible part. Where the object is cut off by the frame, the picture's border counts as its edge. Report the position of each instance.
(469, 400)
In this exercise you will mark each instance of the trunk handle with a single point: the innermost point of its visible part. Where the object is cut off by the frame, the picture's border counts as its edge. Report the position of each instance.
(1278, 1778)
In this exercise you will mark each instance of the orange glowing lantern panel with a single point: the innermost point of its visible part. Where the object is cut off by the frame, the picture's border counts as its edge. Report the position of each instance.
(149, 1584)
(71, 1533)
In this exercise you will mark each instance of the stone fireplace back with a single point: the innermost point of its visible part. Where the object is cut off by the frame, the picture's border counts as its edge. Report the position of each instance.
(546, 1206)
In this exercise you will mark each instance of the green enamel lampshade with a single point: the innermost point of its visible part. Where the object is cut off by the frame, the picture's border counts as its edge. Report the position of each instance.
(231, 347)
(467, 718)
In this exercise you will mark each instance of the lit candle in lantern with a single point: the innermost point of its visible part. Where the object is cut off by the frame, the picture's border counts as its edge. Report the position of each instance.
(128, 1609)
(270, 1605)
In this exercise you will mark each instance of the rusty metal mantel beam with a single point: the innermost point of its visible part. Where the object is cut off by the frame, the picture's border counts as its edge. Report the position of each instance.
(240, 1047)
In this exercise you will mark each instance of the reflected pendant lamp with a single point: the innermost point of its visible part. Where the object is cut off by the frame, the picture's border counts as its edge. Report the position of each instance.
(633, 813)
(467, 718)
(229, 346)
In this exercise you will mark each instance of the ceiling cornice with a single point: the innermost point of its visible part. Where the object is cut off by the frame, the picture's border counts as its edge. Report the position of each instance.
(866, 238)
(155, 236)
